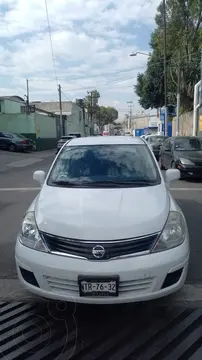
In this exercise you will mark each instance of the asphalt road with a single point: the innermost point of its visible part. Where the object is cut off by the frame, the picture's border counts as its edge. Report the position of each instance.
(18, 174)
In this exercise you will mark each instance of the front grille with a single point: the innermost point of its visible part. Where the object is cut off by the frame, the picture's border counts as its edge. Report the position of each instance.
(113, 249)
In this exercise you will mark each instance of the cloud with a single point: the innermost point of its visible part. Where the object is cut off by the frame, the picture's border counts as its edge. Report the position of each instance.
(91, 43)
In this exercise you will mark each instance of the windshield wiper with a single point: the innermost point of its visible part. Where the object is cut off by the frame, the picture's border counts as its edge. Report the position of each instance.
(65, 183)
(122, 183)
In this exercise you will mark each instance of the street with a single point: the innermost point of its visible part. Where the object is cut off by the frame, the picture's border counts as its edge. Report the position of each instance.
(32, 328)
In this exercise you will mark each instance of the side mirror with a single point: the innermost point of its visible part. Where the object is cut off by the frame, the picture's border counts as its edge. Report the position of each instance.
(172, 175)
(39, 176)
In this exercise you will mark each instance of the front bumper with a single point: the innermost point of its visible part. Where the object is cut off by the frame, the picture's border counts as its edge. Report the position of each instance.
(25, 147)
(141, 277)
(190, 172)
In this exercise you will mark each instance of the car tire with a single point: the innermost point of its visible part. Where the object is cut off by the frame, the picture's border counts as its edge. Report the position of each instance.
(12, 147)
(160, 164)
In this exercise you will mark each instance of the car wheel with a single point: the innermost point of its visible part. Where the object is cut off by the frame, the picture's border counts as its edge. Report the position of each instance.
(160, 164)
(12, 147)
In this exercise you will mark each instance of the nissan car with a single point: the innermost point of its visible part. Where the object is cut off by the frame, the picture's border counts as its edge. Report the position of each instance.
(104, 229)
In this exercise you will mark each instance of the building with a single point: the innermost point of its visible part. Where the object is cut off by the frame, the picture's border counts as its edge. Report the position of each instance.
(144, 124)
(36, 124)
(74, 119)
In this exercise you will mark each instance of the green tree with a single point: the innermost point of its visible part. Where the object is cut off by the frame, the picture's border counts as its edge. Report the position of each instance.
(91, 102)
(106, 115)
(184, 21)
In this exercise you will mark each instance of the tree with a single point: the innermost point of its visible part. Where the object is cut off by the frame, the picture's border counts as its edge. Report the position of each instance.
(91, 102)
(184, 20)
(107, 115)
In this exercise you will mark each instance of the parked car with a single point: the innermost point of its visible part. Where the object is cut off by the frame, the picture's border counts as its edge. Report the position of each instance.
(104, 228)
(15, 142)
(183, 153)
(155, 142)
(75, 134)
(62, 141)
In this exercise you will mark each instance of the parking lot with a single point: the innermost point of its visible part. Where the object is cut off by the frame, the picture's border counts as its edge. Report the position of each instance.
(32, 328)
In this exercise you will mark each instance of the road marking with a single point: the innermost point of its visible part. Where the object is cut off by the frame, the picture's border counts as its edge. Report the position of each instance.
(21, 189)
(24, 162)
(186, 189)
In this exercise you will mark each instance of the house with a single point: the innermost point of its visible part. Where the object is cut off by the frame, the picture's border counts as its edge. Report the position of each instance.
(73, 116)
(39, 125)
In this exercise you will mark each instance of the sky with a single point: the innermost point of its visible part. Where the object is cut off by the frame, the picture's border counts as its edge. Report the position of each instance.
(87, 48)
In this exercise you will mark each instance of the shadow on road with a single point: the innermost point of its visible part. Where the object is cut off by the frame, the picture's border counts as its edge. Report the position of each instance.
(62, 331)
(192, 210)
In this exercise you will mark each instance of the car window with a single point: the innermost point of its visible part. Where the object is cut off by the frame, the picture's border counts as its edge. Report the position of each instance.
(167, 145)
(8, 135)
(98, 163)
(19, 136)
(157, 139)
(181, 144)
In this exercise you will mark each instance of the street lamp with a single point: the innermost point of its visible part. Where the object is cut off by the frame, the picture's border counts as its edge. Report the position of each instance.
(139, 52)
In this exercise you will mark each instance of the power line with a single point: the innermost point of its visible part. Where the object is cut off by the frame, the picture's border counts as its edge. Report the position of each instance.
(51, 42)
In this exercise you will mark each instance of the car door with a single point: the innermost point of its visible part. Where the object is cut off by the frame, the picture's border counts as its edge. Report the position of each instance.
(8, 139)
(168, 154)
(3, 140)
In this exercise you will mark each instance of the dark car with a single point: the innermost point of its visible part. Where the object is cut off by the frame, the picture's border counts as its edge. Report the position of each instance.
(75, 134)
(62, 141)
(156, 141)
(15, 142)
(183, 153)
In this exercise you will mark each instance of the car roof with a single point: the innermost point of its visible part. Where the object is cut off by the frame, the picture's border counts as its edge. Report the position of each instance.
(67, 137)
(106, 140)
(186, 137)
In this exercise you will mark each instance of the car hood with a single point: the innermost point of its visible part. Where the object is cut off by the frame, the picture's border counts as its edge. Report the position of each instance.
(195, 156)
(97, 214)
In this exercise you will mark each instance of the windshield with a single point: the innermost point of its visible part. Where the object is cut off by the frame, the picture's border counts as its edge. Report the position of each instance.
(157, 139)
(105, 164)
(188, 144)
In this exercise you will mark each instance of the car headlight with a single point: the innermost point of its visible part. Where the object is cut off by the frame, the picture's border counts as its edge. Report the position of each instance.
(186, 161)
(173, 234)
(29, 235)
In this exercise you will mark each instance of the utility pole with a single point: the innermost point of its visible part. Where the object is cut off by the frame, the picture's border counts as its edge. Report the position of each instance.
(178, 99)
(200, 101)
(27, 81)
(91, 111)
(60, 104)
(130, 113)
(165, 70)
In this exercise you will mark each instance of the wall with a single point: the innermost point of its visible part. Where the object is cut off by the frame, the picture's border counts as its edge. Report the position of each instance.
(139, 123)
(12, 107)
(74, 122)
(19, 123)
(186, 124)
(46, 131)
(54, 106)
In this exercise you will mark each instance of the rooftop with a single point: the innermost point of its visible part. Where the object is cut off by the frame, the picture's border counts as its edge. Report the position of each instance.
(106, 140)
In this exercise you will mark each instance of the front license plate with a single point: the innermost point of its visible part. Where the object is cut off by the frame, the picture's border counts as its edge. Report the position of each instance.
(98, 286)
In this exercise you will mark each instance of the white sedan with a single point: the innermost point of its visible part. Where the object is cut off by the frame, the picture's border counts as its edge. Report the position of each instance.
(104, 228)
